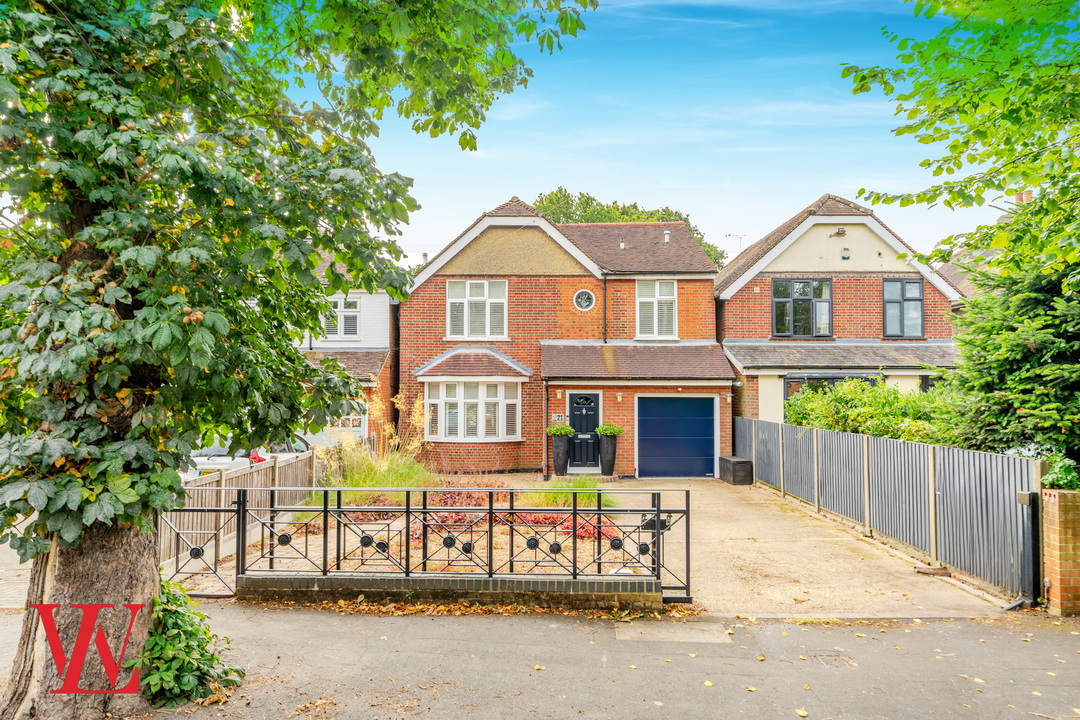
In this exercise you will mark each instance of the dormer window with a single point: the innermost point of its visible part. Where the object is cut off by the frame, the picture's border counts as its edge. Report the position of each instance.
(476, 309)
(343, 320)
(656, 309)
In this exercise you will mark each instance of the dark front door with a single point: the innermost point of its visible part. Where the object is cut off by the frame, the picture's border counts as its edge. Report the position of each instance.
(584, 417)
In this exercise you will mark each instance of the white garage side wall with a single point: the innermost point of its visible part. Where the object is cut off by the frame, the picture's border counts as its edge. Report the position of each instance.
(771, 398)
(906, 383)
(716, 426)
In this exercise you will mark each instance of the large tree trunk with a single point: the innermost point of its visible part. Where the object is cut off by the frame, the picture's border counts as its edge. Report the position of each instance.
(111, 565)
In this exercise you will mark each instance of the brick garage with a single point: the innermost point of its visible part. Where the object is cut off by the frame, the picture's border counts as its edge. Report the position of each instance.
(623, 411)
(1061, 550)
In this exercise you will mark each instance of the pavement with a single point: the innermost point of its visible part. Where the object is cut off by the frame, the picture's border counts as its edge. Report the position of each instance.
(319, 664)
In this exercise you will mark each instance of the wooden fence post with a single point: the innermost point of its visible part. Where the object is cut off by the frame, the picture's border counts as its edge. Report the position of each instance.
(780, 433)
(931, 474)
(753, 448)
(867, 529)
(817, 494)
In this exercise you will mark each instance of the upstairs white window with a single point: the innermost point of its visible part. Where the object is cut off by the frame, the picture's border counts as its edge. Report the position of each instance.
(473, 411)
(343, 320)
(656, 308)
(476, 309)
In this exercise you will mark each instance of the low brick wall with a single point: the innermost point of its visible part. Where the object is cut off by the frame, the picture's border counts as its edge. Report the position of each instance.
(1061, 550)
(627, 593)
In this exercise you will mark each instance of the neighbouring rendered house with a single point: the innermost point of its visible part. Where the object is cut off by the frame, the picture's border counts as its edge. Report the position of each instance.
(361, 333)
(520, 322)
(823, 298)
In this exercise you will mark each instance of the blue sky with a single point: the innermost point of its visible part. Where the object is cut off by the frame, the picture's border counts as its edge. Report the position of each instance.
(733, 111)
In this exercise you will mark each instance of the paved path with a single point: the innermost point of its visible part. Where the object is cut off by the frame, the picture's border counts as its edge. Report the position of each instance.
(755, 554)
(13, 579)
(319, 665)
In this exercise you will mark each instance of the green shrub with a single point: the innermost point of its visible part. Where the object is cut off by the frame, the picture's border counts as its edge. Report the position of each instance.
(180, 661)
(560, 429)
(609, 429)
(1063, 474)
(859, 406)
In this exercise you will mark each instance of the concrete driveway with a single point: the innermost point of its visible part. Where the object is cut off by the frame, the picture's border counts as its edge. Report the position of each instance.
(757, 555)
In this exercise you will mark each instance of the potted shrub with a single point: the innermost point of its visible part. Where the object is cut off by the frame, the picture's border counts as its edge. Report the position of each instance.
(609, 433)
(560, 446)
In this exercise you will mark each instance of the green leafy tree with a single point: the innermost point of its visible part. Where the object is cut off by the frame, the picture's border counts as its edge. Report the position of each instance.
(996, 90)
(562, 206)
(169, 208)
(1019, 371)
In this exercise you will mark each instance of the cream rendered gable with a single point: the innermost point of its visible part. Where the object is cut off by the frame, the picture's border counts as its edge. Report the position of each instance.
(503, 250)
(816, 251)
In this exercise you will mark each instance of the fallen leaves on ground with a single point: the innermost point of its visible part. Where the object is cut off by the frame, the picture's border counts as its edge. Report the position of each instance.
(315, 708)
(801, 712)
(398, 609)
(539, 667)
(708, 683)
(217, 694)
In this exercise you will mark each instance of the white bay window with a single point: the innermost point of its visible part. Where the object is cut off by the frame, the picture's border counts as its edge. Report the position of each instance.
(473, 410)
(476, 309)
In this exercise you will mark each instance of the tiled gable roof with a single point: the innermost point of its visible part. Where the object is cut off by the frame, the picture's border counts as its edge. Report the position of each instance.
(643, 248)
(472, 361)
(824, 205)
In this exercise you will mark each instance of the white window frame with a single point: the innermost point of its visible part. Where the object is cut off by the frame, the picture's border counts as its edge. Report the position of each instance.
(653, 303)
(340, 314)
(438, 406)
(477, 291)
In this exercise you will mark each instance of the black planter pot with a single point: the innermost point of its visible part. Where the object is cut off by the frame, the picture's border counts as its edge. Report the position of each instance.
(560, 453)
(607, 454)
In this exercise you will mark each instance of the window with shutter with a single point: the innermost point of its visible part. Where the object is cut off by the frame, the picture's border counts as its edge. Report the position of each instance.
(476, 309)
(330, 324)
(657, 308)
(492, 411)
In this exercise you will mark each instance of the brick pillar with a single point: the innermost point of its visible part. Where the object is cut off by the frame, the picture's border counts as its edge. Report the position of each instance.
(1061, 550)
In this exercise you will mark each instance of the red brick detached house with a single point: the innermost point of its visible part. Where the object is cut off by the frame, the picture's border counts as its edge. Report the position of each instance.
(824, 297)
(520, 322)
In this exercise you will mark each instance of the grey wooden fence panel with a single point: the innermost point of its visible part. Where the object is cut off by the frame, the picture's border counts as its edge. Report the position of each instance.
(799, 461)
(744, 438)
(767, 459)
(899, 491)
(840, 474)
(981, 527)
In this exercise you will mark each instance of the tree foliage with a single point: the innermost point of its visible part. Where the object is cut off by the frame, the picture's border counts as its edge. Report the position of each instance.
(1019, 369)
(562, 206)
(879, 409)
(998, 91)
(170, 206)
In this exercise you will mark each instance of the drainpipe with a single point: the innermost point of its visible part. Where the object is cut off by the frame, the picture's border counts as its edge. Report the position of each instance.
(544, 430)
(605, 308)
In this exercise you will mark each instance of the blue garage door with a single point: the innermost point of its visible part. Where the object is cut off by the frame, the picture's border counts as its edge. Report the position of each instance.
(675, 436)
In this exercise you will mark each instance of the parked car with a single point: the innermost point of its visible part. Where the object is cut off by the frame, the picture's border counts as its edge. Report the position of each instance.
(215, 457)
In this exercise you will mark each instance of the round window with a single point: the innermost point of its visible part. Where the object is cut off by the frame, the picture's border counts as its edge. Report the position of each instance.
(584, 300)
